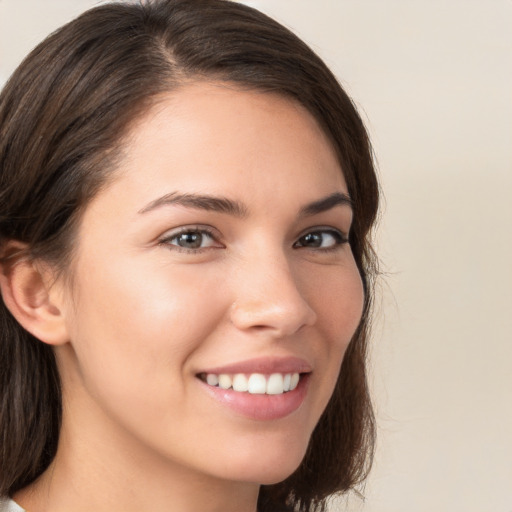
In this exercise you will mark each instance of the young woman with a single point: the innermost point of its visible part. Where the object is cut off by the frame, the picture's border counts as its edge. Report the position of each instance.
(186, 199)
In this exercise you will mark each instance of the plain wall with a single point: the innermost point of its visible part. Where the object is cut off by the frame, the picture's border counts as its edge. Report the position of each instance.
(433, 80)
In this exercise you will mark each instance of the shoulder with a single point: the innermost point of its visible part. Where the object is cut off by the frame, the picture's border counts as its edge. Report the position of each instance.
(7, 505)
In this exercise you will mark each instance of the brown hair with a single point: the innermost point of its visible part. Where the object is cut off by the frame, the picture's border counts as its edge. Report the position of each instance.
(63, 114)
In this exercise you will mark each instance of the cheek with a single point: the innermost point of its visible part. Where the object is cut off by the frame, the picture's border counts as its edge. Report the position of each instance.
(337, 297)
(339, 305)
(343, 311)
(141, 320)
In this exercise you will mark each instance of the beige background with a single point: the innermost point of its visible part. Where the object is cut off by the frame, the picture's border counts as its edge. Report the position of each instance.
(433, 79)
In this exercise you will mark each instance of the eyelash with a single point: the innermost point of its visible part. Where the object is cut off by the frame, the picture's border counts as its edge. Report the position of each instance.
(202, 230)
(339, 239)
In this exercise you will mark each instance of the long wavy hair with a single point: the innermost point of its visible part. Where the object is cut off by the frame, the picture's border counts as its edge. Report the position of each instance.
(63, 115)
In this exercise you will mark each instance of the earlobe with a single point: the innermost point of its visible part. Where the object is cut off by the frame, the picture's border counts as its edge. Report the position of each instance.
(28, 293)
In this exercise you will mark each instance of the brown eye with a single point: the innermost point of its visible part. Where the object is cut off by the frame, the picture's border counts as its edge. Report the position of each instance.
(321, 239)
(190, 239)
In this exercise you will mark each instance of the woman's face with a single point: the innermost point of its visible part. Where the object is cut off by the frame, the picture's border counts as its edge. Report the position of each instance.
(218, 253)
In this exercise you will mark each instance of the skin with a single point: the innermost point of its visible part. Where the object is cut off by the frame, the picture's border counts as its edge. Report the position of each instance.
(143, 315)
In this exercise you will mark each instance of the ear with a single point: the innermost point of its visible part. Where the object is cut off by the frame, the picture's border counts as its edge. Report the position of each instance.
(30, 295)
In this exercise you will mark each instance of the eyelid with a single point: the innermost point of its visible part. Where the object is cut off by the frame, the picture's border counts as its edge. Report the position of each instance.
(169, 235)
(344, 237)
(210, 231)
(323, 228)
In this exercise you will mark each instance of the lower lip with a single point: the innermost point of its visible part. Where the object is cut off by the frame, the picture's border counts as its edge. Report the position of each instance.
(258, 406)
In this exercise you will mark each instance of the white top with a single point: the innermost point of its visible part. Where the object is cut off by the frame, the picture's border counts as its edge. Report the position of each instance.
(7, 505)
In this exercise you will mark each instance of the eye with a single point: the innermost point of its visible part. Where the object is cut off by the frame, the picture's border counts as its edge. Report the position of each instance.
(191, 239)
(324, 239)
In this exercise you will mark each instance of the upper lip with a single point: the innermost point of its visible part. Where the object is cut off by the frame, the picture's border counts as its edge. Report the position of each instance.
(265, 365)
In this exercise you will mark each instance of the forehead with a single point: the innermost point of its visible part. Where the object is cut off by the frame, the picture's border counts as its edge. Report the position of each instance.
(217, 138)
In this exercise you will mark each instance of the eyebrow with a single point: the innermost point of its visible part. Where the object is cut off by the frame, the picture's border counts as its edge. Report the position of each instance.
(325, 204)
(199, 202)
(238, 209)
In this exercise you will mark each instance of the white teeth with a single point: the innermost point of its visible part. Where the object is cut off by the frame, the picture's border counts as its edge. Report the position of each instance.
(240, 382)
(275, 384)
(212, 379)
(256, 383)
(286, 382)
(294, 381)
(225, 381)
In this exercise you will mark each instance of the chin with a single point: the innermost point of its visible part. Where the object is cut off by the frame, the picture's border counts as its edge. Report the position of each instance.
(269, 465)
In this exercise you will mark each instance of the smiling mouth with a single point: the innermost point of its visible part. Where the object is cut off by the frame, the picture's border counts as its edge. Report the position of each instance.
(254, 383)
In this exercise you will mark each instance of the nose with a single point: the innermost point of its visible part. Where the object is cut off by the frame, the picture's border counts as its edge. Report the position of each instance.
(269, 299)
